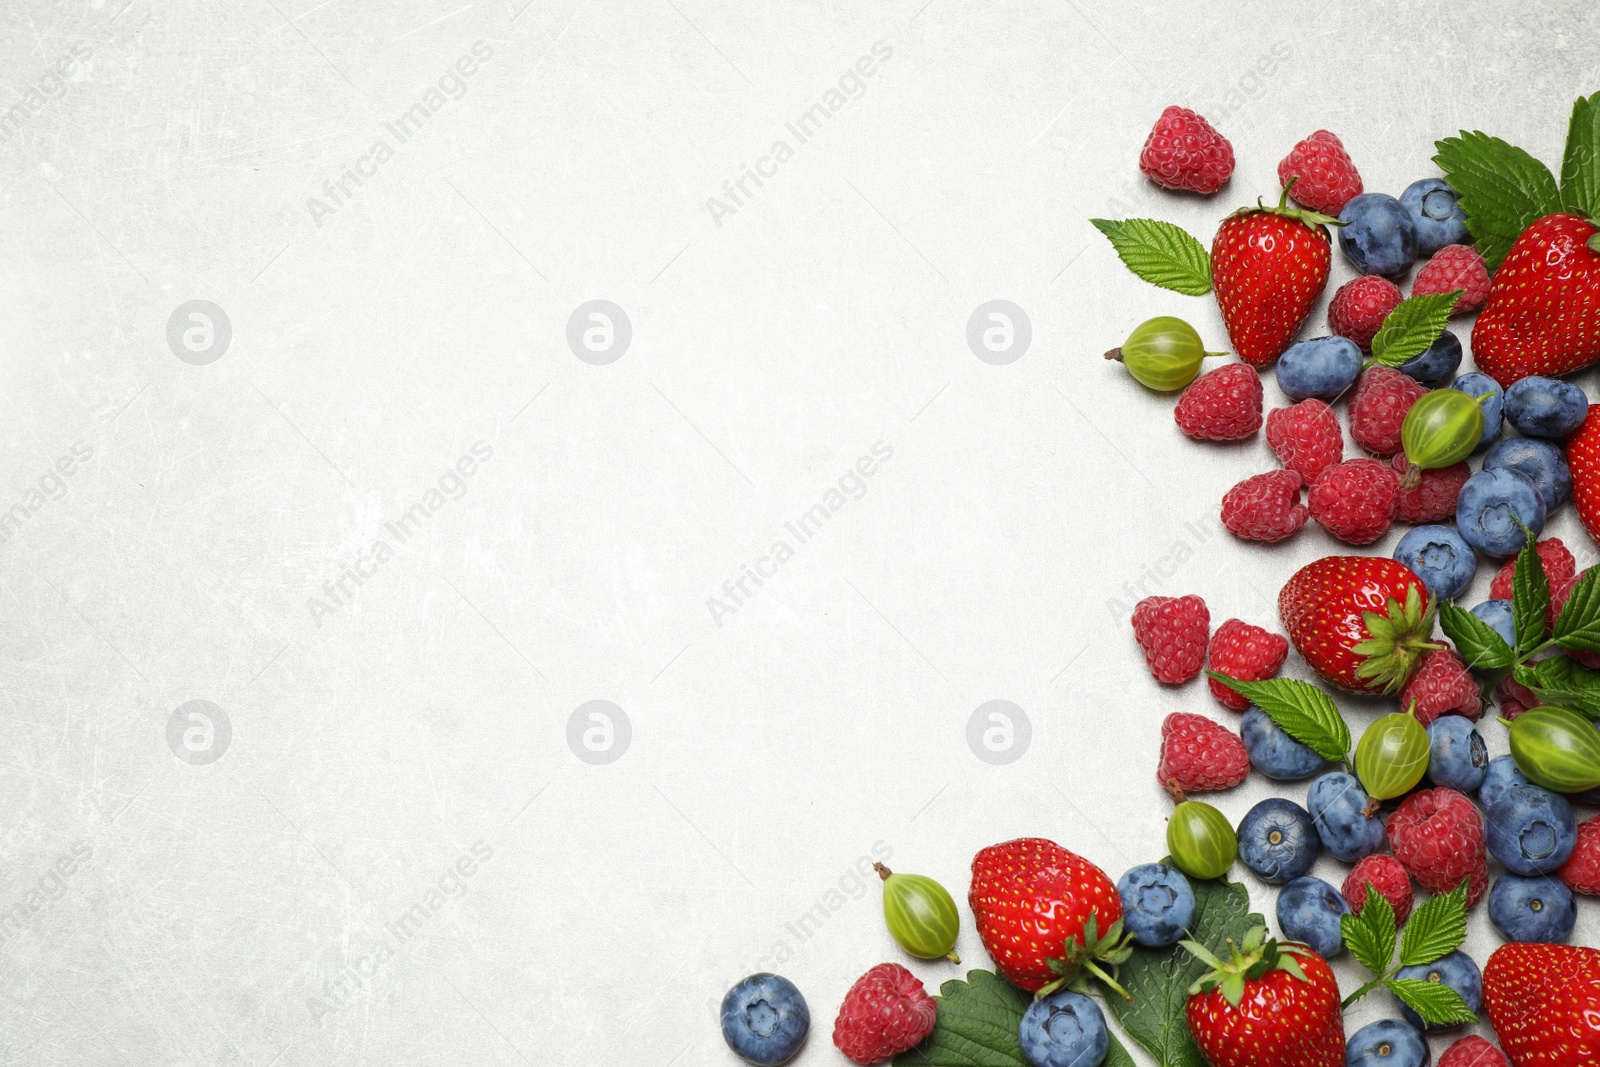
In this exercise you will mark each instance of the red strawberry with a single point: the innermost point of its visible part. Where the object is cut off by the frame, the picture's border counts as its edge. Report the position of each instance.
(1044, 913)
(1583, 456)
(1268, 266)
(1543, 313)
(1267, 1004)
(1362, 622)
(1558, 566)
(1544, 1004)
(1247, 653)
(1198, 755)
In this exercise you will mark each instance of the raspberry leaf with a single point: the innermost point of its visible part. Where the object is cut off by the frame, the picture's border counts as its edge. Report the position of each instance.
(1161, 253)
(1580, 170)
(1303, 711)
(1561, 681)
(1437, 928)
(1530, 597)
(1503, 189)
(1371, 934)
(1479, 644)
(1435, 1002)
(1579, 623)
(1413, 325)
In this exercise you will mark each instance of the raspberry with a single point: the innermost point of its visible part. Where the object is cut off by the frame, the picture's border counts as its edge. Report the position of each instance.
(1247, 653)
(1173, 632)
(1387, 877)
(1434, 496)
(1265, 507)
(1184, 151)
(885, 1013)
(1355, 500)
(1514, 697)
(1559, 566)
(1198, 754)
(1455, 267)
(1222, 405)
(1442, 685)
(1359, 307)
(1472, 1051)
(1325, 177)
(1306, 436)
(1437, 836)
(1377, 408)
(1560, 592)
(1581, 872)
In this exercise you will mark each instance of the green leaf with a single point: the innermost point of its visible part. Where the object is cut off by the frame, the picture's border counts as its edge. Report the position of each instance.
(1503, 189)
(1303, 711)
(1530, 597)
(1437, 1003)
(1562, 681)
(1370, 936)
(1580, 169)
(1579, 623)
(1479, 644)
(1412, 326)
(1159, 979)
(1160, 253)
(1436, 929)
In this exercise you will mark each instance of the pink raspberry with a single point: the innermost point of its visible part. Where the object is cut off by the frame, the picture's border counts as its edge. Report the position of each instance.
(1558, 567)
(1355, 500)
(1377, 408)
(1325, 177)
(1306, 436)
(1581, 872)
(1441, 685)
(1184, 151)
(1455, 267)
(1385, 875)
(1472, 1051)
(1560, 592)
(1437, 835)
(1514, 697)
(885, 1013)
(1222, 404)
(1359, 307)
(1198, 755)
(1265, 507)
(1434, 495)
(1173, 633)
(1247, 653)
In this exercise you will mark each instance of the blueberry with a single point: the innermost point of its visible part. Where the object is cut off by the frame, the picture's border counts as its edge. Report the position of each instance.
(1483, 387)
(1278, 841)
(1491, 505)
(1309, 910)
(1456, 971)
(1064, 1029)
(1546, 407)
(1438, 363)
(1273, 752)
(1537, 460)
(1456, 754)
(1157, 904)
(1387, 1043)
(1532, 909)
(1436, 213)
(1321, 366)
(1503, 774)
(1378, 236)
(1337, 804)
(765, 1019)
(1531, 830)
(1441, 557)
(1497, 613)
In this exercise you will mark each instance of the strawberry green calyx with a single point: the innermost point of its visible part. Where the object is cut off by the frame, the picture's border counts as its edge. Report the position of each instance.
(1400, 638)
(1311, 218)
(1594, 239)
(1093, 954)
(1246, 962)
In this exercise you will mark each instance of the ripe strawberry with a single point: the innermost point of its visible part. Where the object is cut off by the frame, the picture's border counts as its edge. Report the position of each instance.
(1173, 632)
(1434, 496)
(1324, 178)
(1455, 267)
(885, 1013)
(1355, 500)
(1583, 456)
(1442, 685)
(1044, 914)
(1268, 1003)
(1247, 653)
(1388, 877)
(1265, 507)
(1544, 1003)
(1437, 835)
(1581, 872)
(1184, 151)
(1472, 1051)
(1306, 436)
(1361, 622)
(1268, 266)
(1359, 307)
(1221, 405)
(1558, 566)
(1378, 407)
(1543, 314)
(1198, 755)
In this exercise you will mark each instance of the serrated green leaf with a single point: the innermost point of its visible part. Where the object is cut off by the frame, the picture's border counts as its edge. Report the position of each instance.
(1437, 928)
(1370, 936)
(1478, 643)
(1303, 711)
(1161, 253)
(1578, 626)
(1502, 188)
(1530, 597)
(1435, 1002)
(1580, 167)
(1413, 325)
(1562, 681)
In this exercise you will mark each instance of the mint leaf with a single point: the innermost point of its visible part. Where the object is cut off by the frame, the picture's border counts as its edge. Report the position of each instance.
(1579, 623)
(1412, 326)
(1160, 253)
(1370, 936)
(1580, 170)
(1436, 929)
(1502, 188)
(1478, 643)
(1562, 681)
(1437, 1003)
(1530, 597)
(1303, 711)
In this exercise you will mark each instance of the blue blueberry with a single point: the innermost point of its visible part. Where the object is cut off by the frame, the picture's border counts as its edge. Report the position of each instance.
(1441, 558)
(1503, 774)
(1480, 386)
(1532, 909)
(1064, 1029)
(1537, 460)
(1491, 505)
(1309, 911)
(1531, 830)
(1546, 407)
(1278, 841)
(1456, 754)
(1321, 367)
(1497, 613)
(1387, 1043)
(765, 1019)
(1378, 236)
(1436, 213)
(1273, 752)
(1157, 904)
(1456, 971)
(1337, 804)
(1438, 363)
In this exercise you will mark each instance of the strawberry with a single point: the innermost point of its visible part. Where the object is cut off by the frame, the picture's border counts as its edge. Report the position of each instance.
(1362, 622)
(1544, 1004)
(1045, 914)
(1269, 265)
(1543, 312)
(1267, 1004)
(1583, 456)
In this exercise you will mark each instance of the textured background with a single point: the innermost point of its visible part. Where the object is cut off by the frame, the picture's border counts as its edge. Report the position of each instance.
(222, 890)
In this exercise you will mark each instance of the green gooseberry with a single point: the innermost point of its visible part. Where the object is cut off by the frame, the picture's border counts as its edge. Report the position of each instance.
(920, 914)
(1162, 353)
(1392, 756)
(1442, 428)
(1556, 748)
(1201, 840)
